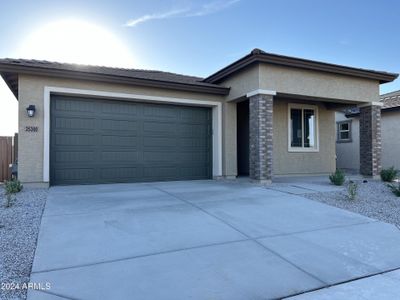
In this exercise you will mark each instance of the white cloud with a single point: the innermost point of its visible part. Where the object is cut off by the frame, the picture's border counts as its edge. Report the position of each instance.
(159, 16)
(206, 9)
(211, 8)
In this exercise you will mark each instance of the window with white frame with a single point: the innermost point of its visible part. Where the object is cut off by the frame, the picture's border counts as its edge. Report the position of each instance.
(303, 128)
(344, 131)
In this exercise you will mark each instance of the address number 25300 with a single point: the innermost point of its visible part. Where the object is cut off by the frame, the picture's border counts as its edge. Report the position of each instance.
(31, 128)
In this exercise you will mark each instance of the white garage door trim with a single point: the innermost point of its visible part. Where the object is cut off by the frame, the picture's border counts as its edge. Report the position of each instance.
(216, 119)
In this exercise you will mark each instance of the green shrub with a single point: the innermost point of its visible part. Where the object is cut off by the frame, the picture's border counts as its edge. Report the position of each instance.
(338, 177)
(352, 190)
(395, 188)
(389, 175)
(11, 188)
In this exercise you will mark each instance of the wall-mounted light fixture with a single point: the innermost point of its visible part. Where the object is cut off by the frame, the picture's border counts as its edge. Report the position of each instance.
(31, 110)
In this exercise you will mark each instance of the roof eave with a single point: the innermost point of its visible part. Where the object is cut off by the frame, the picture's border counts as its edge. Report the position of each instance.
(7, 68)
(231, 68)
(383, 110)
(11, 85)
(393, 108)
(251, 58)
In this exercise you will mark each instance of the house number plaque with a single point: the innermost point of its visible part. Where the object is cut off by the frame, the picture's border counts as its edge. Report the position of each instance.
(31, 128)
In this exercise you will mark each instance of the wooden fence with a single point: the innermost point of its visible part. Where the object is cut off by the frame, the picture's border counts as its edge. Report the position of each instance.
(8, 155)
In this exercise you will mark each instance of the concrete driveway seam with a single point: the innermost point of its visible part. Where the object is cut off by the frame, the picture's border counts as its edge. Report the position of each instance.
(141, 256)
(342, 282)
(105, 210)
(314, 230)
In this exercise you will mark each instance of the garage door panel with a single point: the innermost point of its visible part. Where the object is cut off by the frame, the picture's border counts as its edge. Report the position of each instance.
(195, 157)
(193, 115)
(154, 172)
(75, 123)
(193, 173)
(74, 175)
(67, 139)
(74, 156)
(119, 108)
(100, 141)
(120, 174)
(119, 141)
(70, 105)
(159, 156)
(154, 111)
(118, 156)
(119, 125)
(193, 130)
(159, 128)
(156, 142)
(193, 142)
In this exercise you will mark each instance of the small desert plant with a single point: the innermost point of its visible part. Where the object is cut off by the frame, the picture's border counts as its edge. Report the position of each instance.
(389, 175)
(395, 188)
(352, 190)
(338, 177)
(11, 188)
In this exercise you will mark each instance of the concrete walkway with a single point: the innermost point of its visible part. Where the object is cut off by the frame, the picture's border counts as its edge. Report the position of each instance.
(299, 185)
(201, 240)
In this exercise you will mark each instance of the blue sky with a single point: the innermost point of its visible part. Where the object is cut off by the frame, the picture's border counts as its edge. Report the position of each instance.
(199, 37)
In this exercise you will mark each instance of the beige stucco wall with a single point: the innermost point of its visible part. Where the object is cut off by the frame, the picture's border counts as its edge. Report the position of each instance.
(391, 139)
(31, 91)
(242, 82)
(229, 140)
(297, 81)
(348, 153)
(239, 84)
(317, 84)
(296, 163)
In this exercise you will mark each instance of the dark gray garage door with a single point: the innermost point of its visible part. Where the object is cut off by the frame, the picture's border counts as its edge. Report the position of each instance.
(101, 141)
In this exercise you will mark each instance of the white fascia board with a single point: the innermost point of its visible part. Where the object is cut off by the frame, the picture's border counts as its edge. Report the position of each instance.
(260, 91)
(376, 103)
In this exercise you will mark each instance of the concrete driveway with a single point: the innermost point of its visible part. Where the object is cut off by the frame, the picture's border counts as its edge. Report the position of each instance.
(201, 240)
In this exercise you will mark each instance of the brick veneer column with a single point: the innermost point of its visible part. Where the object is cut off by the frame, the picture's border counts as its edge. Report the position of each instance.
(370, 140)
(260, 115)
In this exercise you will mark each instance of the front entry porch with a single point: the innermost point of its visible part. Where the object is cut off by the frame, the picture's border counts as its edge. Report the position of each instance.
(293, 135)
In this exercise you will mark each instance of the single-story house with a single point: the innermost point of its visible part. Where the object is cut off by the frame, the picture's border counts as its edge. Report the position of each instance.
(264, 115)
(348, 135)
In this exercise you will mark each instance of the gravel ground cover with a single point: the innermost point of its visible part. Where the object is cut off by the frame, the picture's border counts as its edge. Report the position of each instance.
(19, 226)
(374, 199)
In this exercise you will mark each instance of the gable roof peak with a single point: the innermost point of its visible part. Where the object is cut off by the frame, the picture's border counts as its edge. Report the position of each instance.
(257, 51)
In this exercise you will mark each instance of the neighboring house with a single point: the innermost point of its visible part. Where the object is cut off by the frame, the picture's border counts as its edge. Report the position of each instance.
(264, 115)
(348, 134)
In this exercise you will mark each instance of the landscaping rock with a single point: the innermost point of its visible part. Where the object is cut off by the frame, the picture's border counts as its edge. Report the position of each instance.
(374, 199)
(19, 226)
